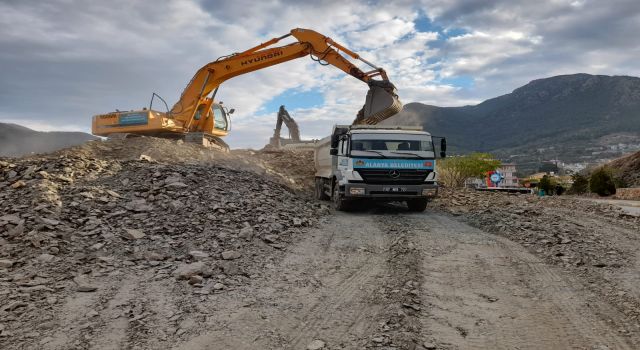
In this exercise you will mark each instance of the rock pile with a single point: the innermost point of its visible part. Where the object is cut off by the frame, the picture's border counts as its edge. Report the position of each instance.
(563, 229)
(69, 218)
(296, 166)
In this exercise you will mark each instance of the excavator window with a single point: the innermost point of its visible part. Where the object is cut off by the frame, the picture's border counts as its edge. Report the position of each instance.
(198, 114)
(219, 120)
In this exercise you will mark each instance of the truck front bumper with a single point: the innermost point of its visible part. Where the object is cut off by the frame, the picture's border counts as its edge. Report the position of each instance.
(390, 192)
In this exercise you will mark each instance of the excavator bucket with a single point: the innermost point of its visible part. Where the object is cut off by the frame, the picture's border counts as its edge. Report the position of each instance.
(382, 102)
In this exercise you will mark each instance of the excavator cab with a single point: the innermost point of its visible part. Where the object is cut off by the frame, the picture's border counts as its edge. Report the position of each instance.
(213, 117)
(221, 117)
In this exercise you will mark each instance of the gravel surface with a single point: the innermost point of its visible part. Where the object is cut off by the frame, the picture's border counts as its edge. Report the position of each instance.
(76, 224)
(154, 244)
(596, 242)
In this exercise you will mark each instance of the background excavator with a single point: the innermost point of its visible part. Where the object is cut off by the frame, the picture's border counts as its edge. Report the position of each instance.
(292, 126)
(197, 117)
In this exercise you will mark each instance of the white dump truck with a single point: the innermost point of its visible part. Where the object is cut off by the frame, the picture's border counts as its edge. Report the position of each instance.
(372, 162)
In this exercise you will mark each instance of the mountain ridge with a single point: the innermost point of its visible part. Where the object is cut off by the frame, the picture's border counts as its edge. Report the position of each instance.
(565, 113)
(17, 140)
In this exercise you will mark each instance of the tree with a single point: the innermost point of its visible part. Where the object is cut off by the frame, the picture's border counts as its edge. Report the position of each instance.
(580, 184)
(454, 171)
(601, 182)
(546, 185)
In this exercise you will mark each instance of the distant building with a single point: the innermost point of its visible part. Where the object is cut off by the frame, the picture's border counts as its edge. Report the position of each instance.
(509, 178)
(508, 172)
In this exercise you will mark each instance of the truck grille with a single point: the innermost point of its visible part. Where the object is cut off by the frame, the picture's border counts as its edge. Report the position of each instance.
(393, 176)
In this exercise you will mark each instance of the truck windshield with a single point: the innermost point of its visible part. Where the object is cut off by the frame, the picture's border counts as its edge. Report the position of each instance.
(398, 146)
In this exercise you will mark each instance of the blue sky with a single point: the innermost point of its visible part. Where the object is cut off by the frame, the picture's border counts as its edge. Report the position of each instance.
(64, 61)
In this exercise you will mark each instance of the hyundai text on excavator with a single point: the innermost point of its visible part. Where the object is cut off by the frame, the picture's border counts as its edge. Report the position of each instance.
(198, 117)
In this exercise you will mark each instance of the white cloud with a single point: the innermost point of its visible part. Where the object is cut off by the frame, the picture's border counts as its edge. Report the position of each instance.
(381, 34)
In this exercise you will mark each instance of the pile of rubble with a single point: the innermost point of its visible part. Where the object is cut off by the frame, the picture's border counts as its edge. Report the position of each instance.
(296, 166)
(562, 228)
(73, 218)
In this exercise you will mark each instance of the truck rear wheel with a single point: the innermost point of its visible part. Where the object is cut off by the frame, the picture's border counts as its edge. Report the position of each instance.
(339, 203)
(320, 193)
(418, 204)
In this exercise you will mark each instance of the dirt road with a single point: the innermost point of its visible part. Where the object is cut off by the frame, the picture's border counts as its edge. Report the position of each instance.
(101, 248)
(381, 278)
(362, 281)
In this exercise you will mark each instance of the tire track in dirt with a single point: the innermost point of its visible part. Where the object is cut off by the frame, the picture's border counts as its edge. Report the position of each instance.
(322, 289)
(403, 306)
(113, 334)
(488, 292)
(331, 311)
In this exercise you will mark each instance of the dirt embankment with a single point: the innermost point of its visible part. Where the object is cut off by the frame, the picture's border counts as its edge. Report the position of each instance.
(628, 169)
(296, 166)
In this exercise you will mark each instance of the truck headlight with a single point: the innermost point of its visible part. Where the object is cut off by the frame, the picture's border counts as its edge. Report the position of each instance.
(357, 191)
(429, 192)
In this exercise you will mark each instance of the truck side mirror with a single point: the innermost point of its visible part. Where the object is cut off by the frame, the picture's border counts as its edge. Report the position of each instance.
(232, 110)
(443, 145)
(335, 139)
(443, 154)
(333, 151)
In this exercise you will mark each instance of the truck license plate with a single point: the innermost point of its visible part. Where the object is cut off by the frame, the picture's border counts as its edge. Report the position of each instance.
(394, 189)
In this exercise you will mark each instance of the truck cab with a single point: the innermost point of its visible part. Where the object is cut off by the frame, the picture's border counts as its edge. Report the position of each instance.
(382, 163)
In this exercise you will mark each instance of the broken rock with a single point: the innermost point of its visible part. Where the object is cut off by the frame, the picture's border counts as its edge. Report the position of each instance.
(196, 279)
(270, 238)
(231, 269)
(185, 271)
(5, 264)
(45, 258)
(133, 234)
(197, 254)
(12, 219)
(316, 345)
(18, 184)
(230, 255)
(83, 285)
(246, 232)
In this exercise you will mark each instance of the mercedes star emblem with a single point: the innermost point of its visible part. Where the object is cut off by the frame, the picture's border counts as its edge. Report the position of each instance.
(394, 174)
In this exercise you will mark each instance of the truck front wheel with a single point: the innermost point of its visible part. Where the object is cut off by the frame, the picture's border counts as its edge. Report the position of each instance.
(339, 203)
(418, 204)
(320, 193)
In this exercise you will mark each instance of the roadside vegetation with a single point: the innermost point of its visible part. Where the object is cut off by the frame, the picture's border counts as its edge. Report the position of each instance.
(454, 171)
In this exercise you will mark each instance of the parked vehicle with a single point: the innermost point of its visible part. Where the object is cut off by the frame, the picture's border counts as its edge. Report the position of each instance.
(374, 162)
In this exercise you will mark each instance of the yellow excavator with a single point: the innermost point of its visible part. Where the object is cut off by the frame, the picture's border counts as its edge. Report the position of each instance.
(197, 117)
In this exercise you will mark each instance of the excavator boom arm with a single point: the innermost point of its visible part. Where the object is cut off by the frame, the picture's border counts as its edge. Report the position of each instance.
(319, 47)
(292, 126)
